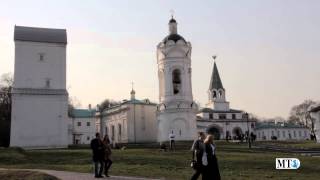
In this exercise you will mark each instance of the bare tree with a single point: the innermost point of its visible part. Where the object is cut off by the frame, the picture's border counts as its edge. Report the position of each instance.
(300, 112)
(6, 82)
(107, 103)
(73, 103)
(300, 115)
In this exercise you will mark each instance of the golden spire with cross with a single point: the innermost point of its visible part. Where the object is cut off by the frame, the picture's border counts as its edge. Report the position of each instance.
(172, 13)
(214, 57)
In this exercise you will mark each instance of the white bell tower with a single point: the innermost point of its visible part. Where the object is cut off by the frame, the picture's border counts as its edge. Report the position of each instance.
(176, 111)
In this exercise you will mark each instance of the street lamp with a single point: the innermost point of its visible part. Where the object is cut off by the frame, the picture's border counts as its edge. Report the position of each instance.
(246, 116)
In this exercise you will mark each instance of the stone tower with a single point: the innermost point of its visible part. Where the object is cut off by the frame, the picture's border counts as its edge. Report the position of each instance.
(176, 110)
(39, 97)
(216, 92)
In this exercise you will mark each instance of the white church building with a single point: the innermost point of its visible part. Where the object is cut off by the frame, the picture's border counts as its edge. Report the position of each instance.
(132, 121)
(218, 118)
(176, 110)
(39, 96)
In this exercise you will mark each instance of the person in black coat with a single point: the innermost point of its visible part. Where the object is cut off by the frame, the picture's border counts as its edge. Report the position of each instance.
(97, 155)
(211, 168)
(197, 152)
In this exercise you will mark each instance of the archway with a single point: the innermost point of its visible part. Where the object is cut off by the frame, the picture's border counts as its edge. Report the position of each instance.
(237, 132)
(215, 131)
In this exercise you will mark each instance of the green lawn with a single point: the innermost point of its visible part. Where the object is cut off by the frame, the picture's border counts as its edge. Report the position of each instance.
(25, 175)
(235, 161)
(293, 144)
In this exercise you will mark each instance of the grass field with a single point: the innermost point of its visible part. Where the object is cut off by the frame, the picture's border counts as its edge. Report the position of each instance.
(235, 161)
(25, 175)
(293, 144)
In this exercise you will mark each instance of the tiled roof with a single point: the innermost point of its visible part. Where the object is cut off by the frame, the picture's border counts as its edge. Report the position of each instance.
(137, 101)
(83, 113)
(35, 34)
(209, 110)
(173, 37)
(215, 82)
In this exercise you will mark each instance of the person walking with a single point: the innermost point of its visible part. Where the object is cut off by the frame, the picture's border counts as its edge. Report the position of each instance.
(107, 155)
(172, 142)
(97, 155)
(209, 160)
(197, 152)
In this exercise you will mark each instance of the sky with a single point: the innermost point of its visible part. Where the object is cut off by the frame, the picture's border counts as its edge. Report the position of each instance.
(268, 50)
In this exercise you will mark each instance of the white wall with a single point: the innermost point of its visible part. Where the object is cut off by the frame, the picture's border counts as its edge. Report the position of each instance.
(86, 133)
(138, 123)
(145, 123)
(39, 121)
(225, 126)
(39, 118)
(30, 72)
(283, 134)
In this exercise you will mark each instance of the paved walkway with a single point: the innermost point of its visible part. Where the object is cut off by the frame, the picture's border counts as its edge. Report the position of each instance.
(65, 175)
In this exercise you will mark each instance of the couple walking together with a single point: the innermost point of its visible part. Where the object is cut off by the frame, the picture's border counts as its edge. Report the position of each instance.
(101, 150)
(204, 158)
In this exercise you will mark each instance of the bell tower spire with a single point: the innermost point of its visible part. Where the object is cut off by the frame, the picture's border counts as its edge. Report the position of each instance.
(216, 92)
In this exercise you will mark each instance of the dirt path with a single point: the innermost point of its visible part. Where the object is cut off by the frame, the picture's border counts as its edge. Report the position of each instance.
(65, 175)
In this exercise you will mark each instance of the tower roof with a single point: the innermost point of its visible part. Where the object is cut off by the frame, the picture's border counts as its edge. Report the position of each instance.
(173, 34)
(172, 20)
(35, 34)
(173, 37)
(215, 82)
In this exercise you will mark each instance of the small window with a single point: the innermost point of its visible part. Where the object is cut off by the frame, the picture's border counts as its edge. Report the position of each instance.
(222, 116)
(88, 138)
(233, 116)
(299, 133)
(252, 125)
(41, 56)
(79, 123)
(284, 134)
(112, 132)
(210, 116)
(88, 123)
(47, 83)
(119, 128)
(294, 134)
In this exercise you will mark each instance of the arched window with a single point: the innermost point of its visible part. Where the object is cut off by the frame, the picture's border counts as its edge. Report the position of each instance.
(119, 132)
(214, 94)
(176, 81)
(220, 93)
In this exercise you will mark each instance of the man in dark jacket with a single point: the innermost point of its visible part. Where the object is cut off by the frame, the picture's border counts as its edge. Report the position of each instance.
(98, 155)
(197, 152)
